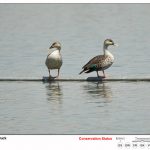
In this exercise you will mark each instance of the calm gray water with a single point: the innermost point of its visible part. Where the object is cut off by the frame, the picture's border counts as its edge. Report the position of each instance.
(26, 32)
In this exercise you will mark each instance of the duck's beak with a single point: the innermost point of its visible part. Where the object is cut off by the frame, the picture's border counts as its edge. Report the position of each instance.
(51, 47)
(115, 44)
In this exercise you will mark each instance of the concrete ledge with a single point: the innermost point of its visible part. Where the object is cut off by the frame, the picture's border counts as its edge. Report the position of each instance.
(90, 79)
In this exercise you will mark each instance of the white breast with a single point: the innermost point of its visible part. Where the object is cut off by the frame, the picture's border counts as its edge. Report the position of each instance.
(110, 55)
(109, 60)
(54, 60)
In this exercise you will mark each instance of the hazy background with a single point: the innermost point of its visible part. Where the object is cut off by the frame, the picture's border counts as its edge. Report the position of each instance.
(27, 31)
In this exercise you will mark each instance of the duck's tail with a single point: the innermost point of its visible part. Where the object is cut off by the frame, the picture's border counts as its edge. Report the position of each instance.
(82, 71)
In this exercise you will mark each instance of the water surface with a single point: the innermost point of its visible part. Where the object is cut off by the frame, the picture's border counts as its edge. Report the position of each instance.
(74, 108)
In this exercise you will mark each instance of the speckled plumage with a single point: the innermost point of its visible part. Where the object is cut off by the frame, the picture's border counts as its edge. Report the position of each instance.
(100, 62)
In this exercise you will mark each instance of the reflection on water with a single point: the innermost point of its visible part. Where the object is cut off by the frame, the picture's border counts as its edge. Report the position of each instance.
(54, 92)
(99, 90)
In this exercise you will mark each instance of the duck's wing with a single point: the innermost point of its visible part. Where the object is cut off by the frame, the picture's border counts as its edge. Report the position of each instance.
(95, 63)
(97, 60)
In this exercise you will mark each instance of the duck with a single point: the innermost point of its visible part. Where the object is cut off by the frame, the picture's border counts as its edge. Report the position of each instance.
(100, 62)
(54, 58)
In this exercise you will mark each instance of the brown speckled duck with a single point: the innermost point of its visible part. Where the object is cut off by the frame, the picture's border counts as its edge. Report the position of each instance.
(100, 62)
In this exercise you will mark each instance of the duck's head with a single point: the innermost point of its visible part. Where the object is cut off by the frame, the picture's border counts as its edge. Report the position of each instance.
(56, 45)
(109, 42)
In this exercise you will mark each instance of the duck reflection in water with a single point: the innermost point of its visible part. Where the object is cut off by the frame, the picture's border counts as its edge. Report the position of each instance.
(54, 92)
(99, 90)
